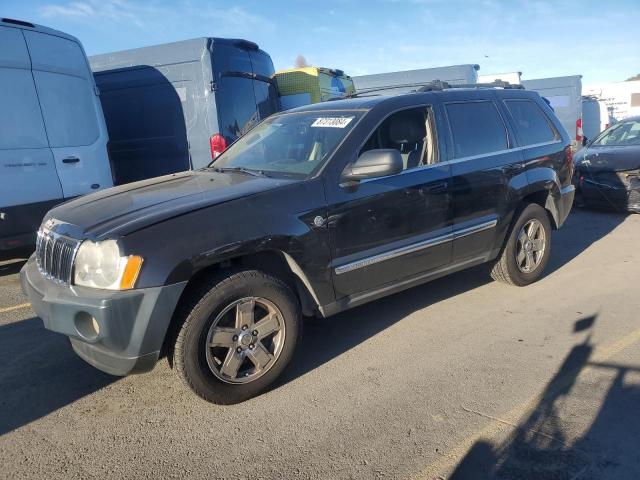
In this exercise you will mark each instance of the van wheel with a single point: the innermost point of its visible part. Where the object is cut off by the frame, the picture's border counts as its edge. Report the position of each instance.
(526, 252)
(238, 335)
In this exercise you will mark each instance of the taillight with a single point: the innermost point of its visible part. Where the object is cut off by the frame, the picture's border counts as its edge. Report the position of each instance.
(218, 145)
(579, 130)
(568, 152)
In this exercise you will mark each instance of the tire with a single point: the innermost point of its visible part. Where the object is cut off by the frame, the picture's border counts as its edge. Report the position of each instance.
(211, 316)
(510, 267)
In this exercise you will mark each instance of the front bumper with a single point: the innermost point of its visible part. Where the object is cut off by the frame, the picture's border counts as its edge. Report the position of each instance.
(132, 324)
(607, 196)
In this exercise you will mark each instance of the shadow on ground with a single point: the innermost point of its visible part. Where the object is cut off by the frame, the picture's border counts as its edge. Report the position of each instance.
(40, 373)
(539, 448)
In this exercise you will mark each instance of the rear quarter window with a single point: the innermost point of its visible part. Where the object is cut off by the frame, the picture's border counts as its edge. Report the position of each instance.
(530, 122)
(476, 128)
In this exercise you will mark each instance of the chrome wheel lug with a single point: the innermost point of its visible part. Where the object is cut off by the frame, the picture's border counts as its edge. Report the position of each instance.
(244, 327)
(252, 346)
(254, 333)
(235, 338)
(239, 349)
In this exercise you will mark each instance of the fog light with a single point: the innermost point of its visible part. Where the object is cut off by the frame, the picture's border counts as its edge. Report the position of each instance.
(87, 326)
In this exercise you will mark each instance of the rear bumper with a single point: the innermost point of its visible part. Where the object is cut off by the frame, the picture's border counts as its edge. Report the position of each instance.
(564, 204)
(132, 324)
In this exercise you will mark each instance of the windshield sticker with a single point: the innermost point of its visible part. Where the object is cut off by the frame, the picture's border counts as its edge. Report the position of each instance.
(332, 122)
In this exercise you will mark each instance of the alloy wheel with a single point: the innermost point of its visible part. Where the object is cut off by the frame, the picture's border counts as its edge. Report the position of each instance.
(245, 340)
(530, 246)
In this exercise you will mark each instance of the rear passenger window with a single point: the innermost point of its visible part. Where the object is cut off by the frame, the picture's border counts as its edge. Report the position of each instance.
(531, 124)
(476, 128)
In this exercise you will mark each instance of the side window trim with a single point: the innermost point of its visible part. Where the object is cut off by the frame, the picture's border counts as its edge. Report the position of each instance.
(556, 135)
(509, 140)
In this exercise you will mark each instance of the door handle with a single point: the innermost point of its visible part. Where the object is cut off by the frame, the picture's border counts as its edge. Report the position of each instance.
(436, 187)
(70, 160)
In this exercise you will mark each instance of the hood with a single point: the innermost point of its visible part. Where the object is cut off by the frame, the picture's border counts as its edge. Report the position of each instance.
(615, 159)
(121, 210)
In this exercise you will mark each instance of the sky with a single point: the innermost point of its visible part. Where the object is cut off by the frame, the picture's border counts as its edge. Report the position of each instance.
(539, 38)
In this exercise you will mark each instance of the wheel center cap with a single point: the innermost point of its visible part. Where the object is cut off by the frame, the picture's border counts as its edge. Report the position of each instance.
(528, 246)
(245, 339)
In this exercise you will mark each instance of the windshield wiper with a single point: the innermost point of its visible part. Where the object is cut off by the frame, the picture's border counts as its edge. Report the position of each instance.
(248, 171)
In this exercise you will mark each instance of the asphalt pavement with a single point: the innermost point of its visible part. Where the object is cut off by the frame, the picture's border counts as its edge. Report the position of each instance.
(461, 378)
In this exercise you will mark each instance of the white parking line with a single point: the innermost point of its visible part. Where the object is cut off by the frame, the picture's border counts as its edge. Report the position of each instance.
(15, 307)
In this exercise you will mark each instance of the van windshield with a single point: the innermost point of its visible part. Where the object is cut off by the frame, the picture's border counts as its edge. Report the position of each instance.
(290, 144)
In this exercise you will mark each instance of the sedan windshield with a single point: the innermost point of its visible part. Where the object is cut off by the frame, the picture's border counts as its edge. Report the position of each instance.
(624, 133)
(290, 144)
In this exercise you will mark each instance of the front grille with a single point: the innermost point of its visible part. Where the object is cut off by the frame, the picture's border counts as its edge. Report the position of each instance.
(55, 255)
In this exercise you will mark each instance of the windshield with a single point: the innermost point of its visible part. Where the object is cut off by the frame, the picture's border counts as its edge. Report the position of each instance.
(291, 144)
(625, 133)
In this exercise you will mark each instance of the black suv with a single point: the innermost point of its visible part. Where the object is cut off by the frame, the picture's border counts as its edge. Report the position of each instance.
(312, 212)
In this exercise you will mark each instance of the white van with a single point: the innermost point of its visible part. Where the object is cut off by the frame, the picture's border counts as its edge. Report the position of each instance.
(595, 117)
(564, 94)
(53, 138)
(408, 80)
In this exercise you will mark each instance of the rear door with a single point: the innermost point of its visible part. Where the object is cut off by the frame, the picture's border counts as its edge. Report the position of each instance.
(72, 113)
(244, 96)
(264, 88)
(483, 162)
(29, 185)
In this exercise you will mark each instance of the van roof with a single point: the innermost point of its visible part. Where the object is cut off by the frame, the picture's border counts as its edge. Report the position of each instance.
(165, 53)
(24, 25)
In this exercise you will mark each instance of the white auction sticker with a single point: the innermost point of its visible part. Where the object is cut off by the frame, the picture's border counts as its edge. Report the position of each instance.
(332, 122)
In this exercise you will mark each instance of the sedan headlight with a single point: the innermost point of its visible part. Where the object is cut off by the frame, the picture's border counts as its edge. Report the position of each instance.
(100, 265)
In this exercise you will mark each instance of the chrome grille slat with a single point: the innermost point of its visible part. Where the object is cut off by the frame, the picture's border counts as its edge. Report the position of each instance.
(55, 254)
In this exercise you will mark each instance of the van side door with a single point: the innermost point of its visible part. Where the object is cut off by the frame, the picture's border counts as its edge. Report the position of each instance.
(72, 113)
(482, 163)
(29, 184)
(389, 229)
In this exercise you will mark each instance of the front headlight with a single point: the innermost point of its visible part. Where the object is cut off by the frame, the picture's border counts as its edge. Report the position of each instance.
(100, 265)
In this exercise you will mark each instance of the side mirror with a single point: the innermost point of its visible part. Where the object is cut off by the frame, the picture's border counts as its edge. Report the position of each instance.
(374, 163)
(585, 141)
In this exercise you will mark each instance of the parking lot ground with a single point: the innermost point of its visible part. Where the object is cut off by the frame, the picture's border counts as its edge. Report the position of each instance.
(460, 378)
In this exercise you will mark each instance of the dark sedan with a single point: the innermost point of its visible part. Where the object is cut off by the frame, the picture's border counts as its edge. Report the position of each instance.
(607, 172)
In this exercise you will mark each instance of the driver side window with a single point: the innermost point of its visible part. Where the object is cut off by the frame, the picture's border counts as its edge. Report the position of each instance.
(411, 132)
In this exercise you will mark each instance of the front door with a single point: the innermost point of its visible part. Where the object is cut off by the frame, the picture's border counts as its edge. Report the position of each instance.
(395, 227)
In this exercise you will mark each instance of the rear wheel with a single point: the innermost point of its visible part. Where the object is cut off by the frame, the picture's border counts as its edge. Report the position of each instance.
(238, 335)
(526, 251)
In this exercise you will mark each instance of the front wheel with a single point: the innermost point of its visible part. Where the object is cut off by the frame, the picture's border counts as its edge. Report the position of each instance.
(526, 251)
(239, 333)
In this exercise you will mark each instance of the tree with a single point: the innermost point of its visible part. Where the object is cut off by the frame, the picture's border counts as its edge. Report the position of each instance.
(635, 77)
(300, 62)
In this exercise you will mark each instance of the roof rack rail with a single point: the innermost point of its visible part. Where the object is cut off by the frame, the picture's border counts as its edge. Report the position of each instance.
(441, 85)
(434, 85)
